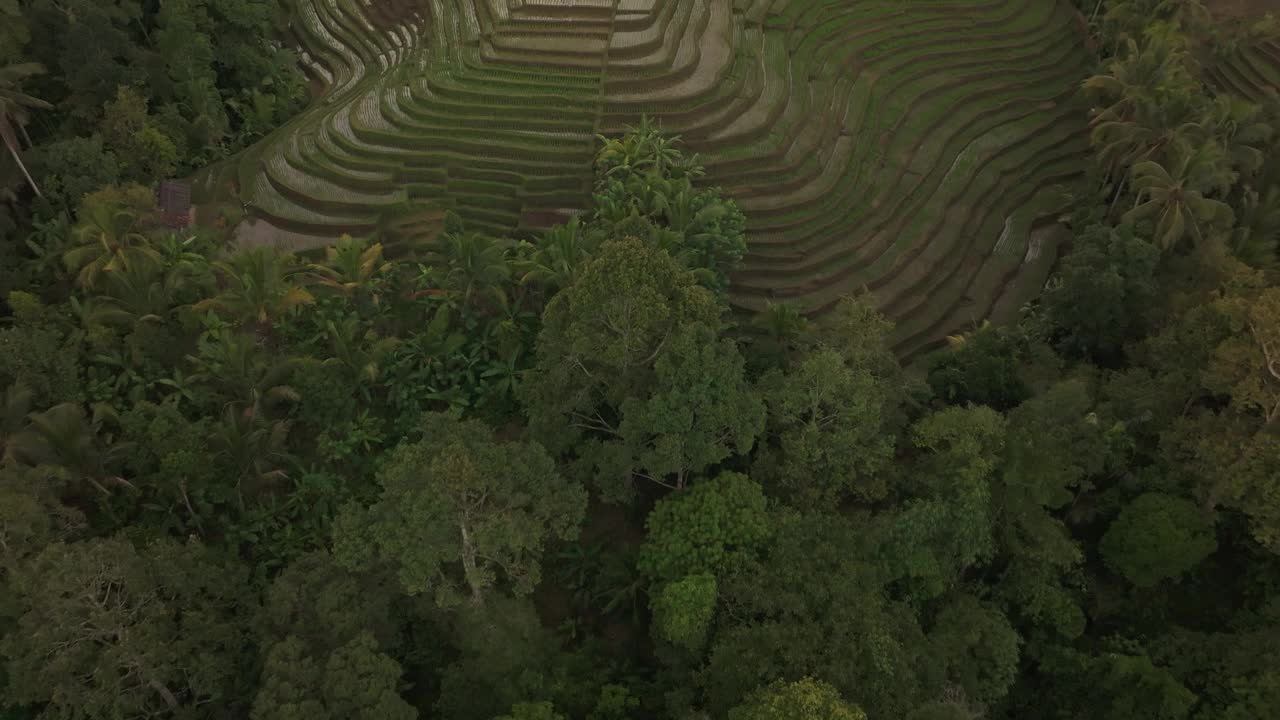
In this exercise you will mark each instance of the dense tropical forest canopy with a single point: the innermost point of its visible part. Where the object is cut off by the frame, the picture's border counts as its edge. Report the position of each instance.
(609, 402)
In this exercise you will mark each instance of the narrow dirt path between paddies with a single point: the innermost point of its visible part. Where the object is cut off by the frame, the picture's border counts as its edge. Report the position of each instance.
(915, 148)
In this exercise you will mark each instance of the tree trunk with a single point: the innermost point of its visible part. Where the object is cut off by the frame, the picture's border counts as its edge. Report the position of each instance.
(1119, 189)
(11, 142)
(165, 693)
(469, 566)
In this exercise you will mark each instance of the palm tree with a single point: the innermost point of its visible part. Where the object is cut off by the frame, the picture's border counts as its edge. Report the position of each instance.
(237, 372)
(780, 329)
(137, 294)
(781, 322)
(1238, 126)
(705, 235)
(63, 437)
(1256, 236)
(258, 287)
(185, 267)
(107, 241)
(253, 447)
(1146, 104)
(350, 266)
(644, 150)
(360, 352)
(958, 342)
(1178, 199)
(474, 263)
(14, 106)
(1120, 145)
(558, 256)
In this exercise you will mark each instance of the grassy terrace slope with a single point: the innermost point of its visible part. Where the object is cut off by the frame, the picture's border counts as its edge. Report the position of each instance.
(912, 147)
(1253, 72)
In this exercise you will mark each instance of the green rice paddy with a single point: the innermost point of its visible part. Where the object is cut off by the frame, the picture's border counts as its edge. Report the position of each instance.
(915, 148)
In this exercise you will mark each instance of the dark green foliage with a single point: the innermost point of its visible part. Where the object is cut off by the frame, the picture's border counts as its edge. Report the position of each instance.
(356, 681)
(984, 368)
(700, 411)
(211, 71)
(1103, 294)
(155, 631)
(326, 633)
(1157, 537)
(815, 606)
(615, 337)
(244, 483)
(70, 169)
(941, 711)
(506, 657)
(38, 355)
(946, 525)
(978, 648)
(1116, 685)
(532, 711)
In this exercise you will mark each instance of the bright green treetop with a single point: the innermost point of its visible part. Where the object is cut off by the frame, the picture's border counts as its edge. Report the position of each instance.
(805, 699)
(683, 610)
(712, 527)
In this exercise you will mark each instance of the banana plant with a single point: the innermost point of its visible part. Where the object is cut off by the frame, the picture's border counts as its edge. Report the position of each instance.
(124, 374)
(179, 387)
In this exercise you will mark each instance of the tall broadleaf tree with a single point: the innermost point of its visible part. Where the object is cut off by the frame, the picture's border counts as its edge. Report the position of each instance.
(461, 513)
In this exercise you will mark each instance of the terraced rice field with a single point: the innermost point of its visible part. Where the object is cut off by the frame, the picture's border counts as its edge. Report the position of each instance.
(1252, 73)
(915, 148)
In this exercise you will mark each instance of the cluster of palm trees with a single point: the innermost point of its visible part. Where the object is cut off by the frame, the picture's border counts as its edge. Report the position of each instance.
(124, 276)
(215, 338)
(1178, 153)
